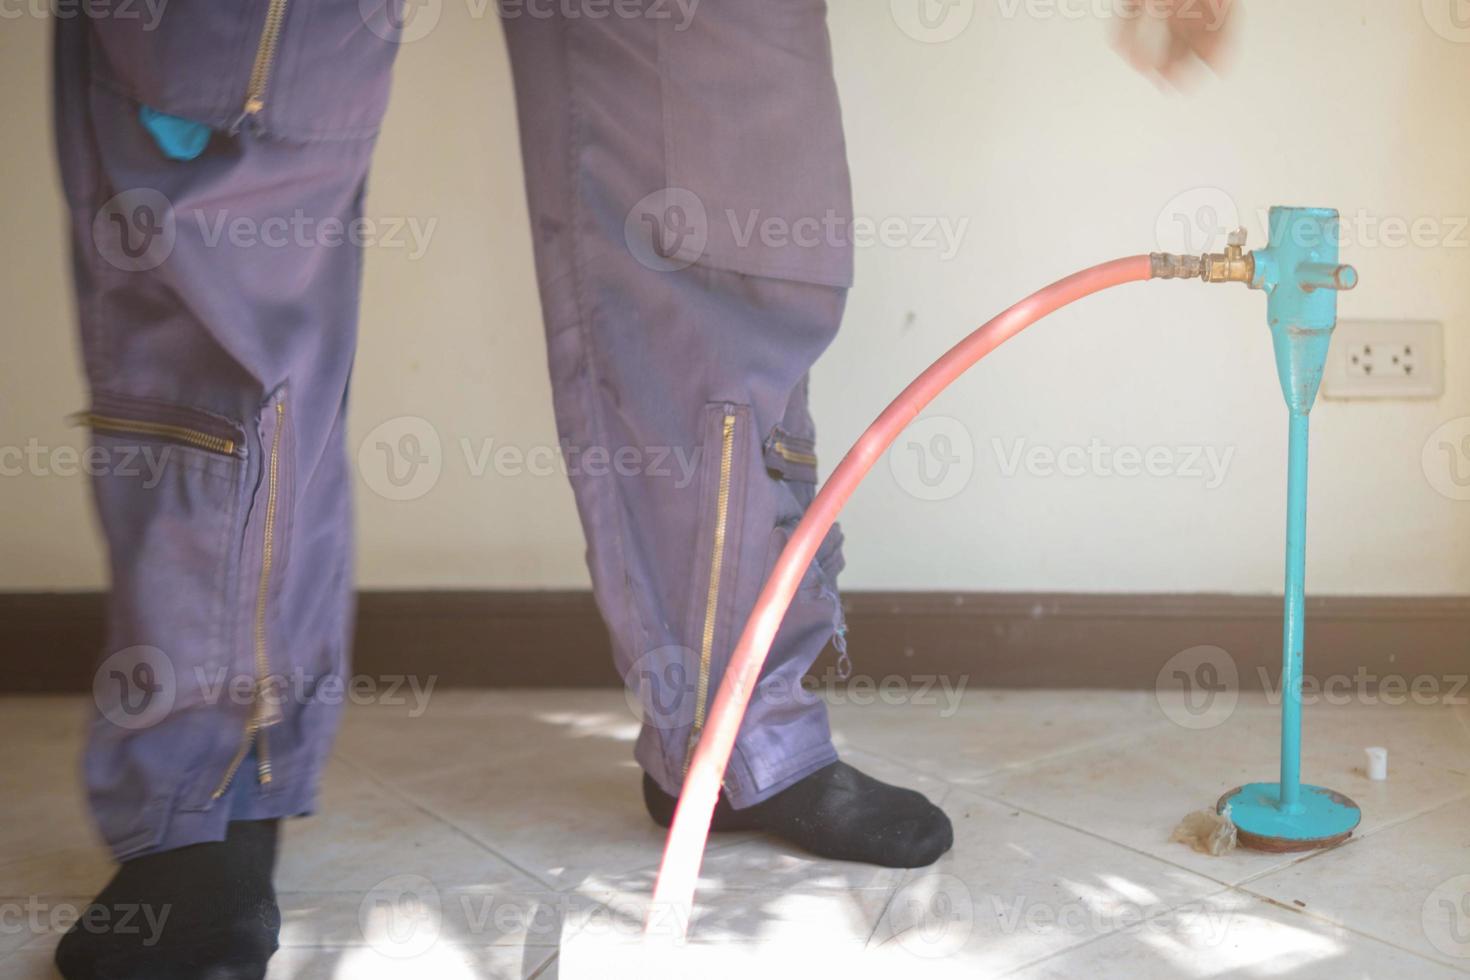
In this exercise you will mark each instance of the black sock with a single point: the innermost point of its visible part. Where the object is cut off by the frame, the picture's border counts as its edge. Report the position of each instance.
(202, 912)
(836, 812)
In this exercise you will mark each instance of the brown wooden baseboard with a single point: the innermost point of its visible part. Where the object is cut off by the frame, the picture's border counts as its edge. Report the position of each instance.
(1006, 640)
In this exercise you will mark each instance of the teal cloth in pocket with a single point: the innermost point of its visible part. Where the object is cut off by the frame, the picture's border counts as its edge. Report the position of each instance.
(179, 139)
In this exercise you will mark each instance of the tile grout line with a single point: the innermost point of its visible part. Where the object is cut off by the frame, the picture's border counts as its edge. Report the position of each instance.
(1462, 715)
(1106, 840)
(743, 838)
(888, 904)
(1252, 877)
(1009, 768)
(541, 970)
(1356, 838)
(1430, 811)
(367, 944)
(1249, 878)
(1224, 886)
(948, 790)
(1098, 742)
(1215, 894)
(1111, 932)
(552, 952)
(1227, 887)
(951, 788)
(403, 797)
(1344, 927)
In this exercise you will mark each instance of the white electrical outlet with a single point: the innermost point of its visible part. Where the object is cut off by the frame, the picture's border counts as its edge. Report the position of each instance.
(1385, 359)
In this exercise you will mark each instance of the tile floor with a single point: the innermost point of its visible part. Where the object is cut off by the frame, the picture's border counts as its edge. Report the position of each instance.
(501, 834)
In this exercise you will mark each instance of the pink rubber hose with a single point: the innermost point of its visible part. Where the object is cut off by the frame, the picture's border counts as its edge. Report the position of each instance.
(684, 849)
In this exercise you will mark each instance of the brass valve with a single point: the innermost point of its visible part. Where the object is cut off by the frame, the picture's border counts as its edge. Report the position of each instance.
(1235, 264)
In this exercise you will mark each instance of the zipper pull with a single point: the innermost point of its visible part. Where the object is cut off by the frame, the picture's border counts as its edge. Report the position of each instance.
(267, 710)
(263, 771)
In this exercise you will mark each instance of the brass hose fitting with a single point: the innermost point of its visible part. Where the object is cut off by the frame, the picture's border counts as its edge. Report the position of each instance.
(1235, 264)
(1166, 266)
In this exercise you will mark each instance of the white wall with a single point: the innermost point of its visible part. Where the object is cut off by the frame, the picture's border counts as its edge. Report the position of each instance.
(1027, 128)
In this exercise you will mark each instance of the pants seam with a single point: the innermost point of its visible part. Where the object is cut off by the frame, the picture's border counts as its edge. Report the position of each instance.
(798, 768)
(587, 376)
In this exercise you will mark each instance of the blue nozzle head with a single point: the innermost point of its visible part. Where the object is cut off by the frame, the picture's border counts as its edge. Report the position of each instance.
(1301, 275)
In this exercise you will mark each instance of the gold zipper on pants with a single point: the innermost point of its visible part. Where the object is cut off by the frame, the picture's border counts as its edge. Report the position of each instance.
(163, 430)
(265, 57)
(265, 712)
(712, 596)
(792, 455)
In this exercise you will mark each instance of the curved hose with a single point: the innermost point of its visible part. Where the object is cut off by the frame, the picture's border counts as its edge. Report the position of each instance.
(684, 849)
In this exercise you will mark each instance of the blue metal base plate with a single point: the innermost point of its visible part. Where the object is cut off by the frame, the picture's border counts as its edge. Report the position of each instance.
(1322, 817)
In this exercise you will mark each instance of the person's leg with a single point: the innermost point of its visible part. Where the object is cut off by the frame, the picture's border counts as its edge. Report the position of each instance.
(690, 207)
(217, 284)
